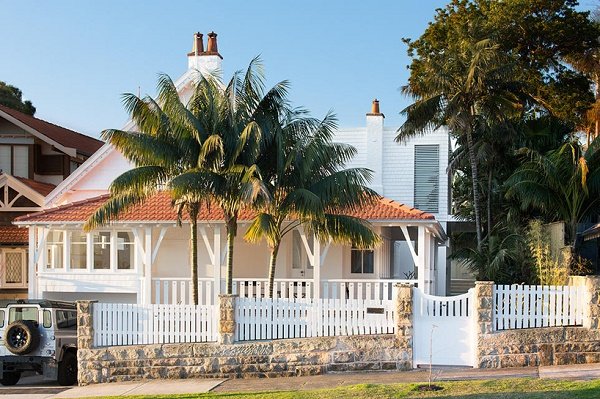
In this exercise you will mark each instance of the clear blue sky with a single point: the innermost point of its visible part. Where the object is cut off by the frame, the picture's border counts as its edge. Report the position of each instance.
(73, 59)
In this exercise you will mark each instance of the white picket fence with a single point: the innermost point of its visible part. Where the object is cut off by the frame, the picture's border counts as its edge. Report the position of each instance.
(175, 291)
(131, 324)
(264, 318)
(532, 306)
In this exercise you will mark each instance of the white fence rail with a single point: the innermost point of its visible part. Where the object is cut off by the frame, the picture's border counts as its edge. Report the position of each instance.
(130, 324)
(179, 290)
(264, 318)
(532, 306)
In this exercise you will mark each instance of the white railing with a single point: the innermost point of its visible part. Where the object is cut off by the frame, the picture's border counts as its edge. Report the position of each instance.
(178, 290)
(532, 306)
(132, 324)
(264, 318)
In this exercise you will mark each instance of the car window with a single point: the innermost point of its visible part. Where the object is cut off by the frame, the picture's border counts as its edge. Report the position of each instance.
(66, 319)
(2, 314)
(47, 319)
(23, 313)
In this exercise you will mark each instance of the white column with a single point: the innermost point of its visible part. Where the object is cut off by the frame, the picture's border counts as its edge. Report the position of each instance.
(67, 250)
(217, 262)
(421, 265)
(32, 283)
(316, 268)
(147, 286)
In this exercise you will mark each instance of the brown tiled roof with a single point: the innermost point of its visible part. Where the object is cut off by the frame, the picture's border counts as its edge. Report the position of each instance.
(85, 145)
(42, 188)
(13, 235)
(158, 208)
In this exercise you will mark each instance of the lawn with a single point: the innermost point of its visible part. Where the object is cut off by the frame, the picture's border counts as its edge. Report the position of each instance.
(507, 388)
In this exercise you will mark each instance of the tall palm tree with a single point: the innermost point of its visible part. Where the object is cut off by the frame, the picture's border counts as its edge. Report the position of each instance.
(464, 92)
(563, 184)
(240, 117)
(166, 144)
(304, 174)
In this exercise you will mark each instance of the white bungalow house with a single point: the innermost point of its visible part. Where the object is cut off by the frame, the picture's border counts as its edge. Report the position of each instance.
(144, 257)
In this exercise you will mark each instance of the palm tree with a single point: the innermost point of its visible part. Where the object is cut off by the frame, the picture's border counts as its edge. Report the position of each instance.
(562, 183)
(303, 172)
(465, 92)
(241, 116)
(166, 145)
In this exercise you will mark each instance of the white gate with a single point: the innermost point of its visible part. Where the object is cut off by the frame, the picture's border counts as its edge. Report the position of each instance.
(444, 328)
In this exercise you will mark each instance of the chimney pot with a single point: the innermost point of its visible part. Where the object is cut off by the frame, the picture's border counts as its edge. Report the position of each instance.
(375, 109)
(212, 43)
(198, 46)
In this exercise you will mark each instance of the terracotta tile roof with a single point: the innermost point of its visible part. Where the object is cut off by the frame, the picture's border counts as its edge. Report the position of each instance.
(158, 208)
(13, 235)
(85, 145)
(42, 188)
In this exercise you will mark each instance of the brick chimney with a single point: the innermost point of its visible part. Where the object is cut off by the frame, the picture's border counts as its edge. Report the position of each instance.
(208, 61)
(375, 146)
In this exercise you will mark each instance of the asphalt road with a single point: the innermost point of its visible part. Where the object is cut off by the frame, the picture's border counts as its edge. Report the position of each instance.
(32, 387)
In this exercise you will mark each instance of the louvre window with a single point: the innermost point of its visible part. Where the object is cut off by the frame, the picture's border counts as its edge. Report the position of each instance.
(427, 178)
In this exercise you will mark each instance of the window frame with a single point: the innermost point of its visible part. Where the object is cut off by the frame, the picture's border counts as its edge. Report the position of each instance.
(363, 252)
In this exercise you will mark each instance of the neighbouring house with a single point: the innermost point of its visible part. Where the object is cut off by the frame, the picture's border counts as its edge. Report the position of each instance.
(35, 156)
(144, 257)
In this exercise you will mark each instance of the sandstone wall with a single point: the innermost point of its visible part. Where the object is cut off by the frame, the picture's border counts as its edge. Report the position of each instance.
(289, 357)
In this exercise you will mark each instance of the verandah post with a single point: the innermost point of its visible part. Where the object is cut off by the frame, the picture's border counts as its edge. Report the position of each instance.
(316, 268)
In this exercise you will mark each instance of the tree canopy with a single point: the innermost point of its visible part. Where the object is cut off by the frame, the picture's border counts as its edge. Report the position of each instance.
(12, 97)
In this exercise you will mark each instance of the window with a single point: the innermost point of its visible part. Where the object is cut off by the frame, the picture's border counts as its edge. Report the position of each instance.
(78, 250)
(2, 315)
(299, 255)
(23, 313)
(361, 261)
(427, 177)
(101, 243)
(66, 320)
(47, 319)
(54, 249)
(124, 250)
(14, 160)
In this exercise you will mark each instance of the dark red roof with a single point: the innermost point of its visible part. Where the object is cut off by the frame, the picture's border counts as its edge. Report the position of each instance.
(158, 208)
(84, 145)
(42, 188)
(13, 235)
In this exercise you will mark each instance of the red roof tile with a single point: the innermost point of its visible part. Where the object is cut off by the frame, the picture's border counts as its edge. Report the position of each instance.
(42, 188)
(158, 208)
(13, 235)
(85, 145)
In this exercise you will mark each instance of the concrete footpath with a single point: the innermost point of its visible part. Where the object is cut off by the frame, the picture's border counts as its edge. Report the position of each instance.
(30, 388)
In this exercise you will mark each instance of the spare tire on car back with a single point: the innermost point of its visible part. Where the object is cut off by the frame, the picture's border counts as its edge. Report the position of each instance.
(22, 337)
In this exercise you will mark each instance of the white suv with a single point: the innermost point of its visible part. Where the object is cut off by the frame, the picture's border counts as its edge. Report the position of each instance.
(40, 336)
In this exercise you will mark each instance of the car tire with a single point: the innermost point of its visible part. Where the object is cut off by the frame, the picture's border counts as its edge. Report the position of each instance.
(22, 337)
(67, 369)
(10, 378)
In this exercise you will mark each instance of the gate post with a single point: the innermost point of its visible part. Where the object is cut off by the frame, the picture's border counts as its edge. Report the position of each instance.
(483, 314)
(85, 324)
(227, 304)
(404, 324)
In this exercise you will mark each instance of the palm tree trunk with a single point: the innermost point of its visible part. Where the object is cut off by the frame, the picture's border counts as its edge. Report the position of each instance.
(230, 237)
(194, 250)
(272, 264)
(489, 204)
(475, 181)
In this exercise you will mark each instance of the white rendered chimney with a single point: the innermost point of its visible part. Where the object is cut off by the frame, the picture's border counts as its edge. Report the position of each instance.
(209, 61)
(375, 146)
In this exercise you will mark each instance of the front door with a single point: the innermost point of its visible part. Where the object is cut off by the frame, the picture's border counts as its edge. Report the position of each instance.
(301, 267)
